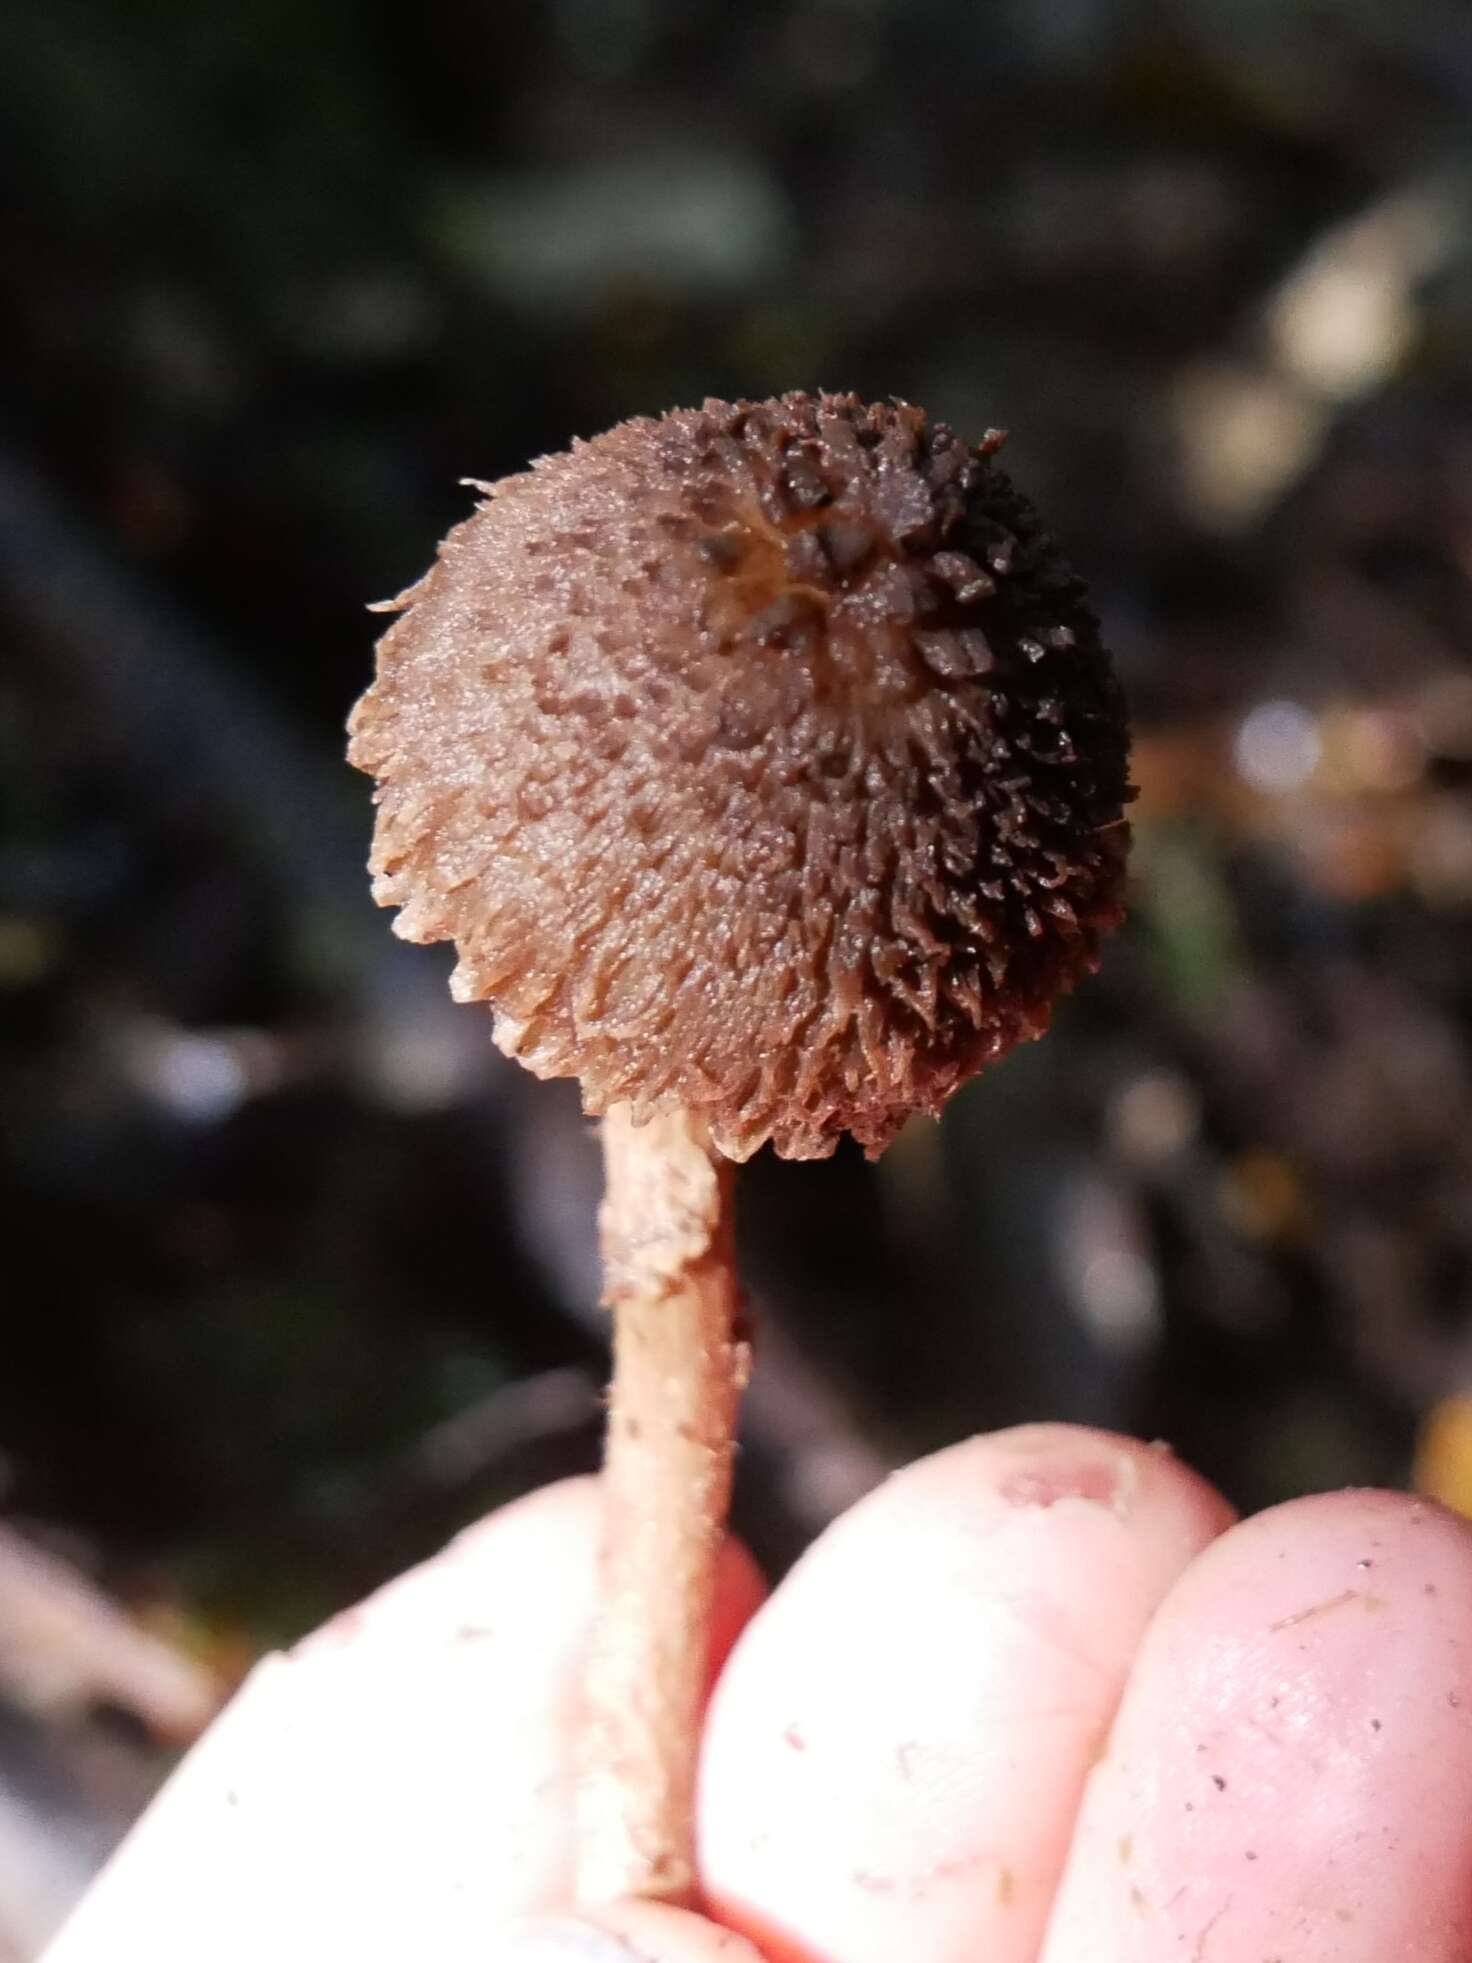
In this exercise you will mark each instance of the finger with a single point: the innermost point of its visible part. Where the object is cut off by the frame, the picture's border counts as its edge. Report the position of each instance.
(629, 1932)
(1291, 1771)
(398, 1786)
(896, 1748)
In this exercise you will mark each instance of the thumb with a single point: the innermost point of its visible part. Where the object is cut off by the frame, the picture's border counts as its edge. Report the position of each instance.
(627, 1932)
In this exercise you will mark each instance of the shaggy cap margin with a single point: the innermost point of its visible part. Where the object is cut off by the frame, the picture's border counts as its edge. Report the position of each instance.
(761, 759)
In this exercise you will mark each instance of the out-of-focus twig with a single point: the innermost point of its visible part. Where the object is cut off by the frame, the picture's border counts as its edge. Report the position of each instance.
(65, 1646)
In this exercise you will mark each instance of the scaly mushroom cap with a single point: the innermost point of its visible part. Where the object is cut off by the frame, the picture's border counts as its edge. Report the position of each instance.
(761, 759)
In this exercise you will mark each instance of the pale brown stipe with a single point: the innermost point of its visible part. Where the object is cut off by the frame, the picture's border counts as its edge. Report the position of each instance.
(764, 766)
(759, 760)
(679, 1370)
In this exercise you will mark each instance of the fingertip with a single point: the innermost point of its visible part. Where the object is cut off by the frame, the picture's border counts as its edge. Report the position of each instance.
(405, 1780)
(625, 1932)
(530, 1569)
(920, 1701)
(565, 1511)
(1035, 1467)
(1379, 1516)
(1293, 1758)
(530, 1565)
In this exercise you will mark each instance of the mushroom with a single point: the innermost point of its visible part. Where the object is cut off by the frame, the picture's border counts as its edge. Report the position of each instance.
(765, 768)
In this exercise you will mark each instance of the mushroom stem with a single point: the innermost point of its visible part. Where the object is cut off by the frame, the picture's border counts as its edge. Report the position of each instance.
(679, 1369)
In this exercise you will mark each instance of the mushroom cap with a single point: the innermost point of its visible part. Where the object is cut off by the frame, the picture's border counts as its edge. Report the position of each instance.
(761, 759)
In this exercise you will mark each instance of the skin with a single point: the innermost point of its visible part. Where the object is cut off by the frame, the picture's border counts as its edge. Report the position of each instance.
(1035, 1698)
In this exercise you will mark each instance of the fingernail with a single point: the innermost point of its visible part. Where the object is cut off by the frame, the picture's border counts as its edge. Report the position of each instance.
(563, 1939)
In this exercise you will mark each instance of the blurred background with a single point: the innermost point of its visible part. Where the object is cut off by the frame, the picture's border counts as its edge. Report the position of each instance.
(298, 1272)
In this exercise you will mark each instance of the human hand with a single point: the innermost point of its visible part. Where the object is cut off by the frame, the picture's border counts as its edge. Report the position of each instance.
(1032, 1699)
